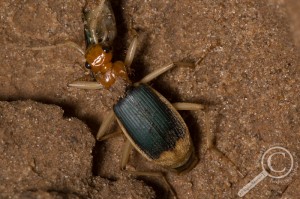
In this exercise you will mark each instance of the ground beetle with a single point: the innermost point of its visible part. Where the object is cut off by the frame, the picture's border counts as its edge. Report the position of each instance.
(149, 121)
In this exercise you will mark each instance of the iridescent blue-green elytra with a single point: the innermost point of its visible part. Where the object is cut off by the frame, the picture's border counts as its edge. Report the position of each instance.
(154, 127)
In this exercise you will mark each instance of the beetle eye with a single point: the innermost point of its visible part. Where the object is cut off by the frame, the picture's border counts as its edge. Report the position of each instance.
(106, 49)
(87, 65)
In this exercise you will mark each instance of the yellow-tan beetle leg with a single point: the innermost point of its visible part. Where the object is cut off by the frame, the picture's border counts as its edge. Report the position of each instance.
(210, 142)
(185, 106)
(162, 70)
(130, 52)
(169, 66)
(106, 124)
(111, 135)
(86, 85)
(155, 174)
(125, 155)
(125, 158)
(210, 137)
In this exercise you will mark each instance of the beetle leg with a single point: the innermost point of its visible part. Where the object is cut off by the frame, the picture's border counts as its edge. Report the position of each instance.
(126, 153)
(162, 70)
(67, 43)
(86, 85)
(187, 106)
(131, 52)
(125, 158)
(155, 74)
(111, 135)
(210, 142)
(155, 174)
(105, 124)
(167, 67)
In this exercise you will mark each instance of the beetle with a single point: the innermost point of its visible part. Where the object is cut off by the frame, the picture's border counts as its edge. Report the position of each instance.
(150, 123)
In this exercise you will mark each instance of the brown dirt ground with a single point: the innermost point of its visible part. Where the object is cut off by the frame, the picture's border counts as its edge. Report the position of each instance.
(250, 84)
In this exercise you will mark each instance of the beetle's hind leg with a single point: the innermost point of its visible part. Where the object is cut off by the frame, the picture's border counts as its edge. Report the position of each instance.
(211, 146)
(125, 158)
(210, 137)
(155, 174)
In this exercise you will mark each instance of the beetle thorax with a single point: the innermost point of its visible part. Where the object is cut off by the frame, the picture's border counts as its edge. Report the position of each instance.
(99, 59)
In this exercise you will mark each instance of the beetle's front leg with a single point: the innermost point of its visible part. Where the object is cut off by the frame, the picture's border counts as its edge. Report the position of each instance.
(162, 70)
(131, 52)
(169, 66)
(155, 74)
